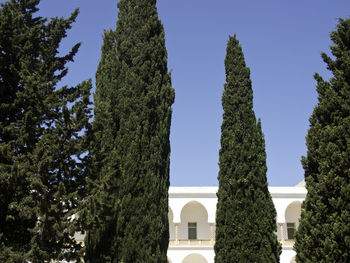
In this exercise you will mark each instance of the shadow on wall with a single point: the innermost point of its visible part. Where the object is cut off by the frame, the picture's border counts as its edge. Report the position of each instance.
(292, 216)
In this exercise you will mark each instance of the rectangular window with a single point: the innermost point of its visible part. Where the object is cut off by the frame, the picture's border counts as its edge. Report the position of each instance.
(290, 230)
(192, 230)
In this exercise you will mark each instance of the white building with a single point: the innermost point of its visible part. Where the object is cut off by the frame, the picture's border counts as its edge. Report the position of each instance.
(192, 222)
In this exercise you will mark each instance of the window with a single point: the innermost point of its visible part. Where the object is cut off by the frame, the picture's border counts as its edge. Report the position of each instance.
(290, 230)
(192, 230)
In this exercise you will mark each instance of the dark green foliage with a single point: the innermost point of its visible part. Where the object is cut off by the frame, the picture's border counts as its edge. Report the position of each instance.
(58, 175)
(41, 143)
(324, 230)
(245, 217)
(129, 221)
(102, 202)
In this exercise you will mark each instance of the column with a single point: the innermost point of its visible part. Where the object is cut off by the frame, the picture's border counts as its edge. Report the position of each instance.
(212, 234)
(176, 233)
(281, 231)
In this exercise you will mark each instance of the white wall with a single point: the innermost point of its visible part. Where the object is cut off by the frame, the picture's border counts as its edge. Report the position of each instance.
(183, 255)
(287, 255)
(197, 258)
(282, 197)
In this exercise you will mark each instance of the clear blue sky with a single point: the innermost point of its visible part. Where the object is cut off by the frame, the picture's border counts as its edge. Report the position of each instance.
(282, 42)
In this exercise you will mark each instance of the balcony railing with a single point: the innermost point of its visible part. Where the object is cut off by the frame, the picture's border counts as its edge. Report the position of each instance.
(191, 243)
(210, 243)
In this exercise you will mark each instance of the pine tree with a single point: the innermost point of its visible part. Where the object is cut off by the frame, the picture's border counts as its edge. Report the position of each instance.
(134, 93)
(245, 217)
(41, 126)
(58, 174)
(324, 230)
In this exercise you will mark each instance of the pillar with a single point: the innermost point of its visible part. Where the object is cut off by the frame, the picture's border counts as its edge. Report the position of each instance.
(176, 233)
(281, 231)
(212, 234)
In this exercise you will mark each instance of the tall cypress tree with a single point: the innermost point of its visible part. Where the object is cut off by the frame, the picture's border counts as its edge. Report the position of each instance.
(101, 205)
(324, 230)
(245, 217)
(137, 105)
(41, 137)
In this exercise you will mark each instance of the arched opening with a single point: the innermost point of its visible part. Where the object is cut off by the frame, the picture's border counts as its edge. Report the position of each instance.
(292, 215)
(194, 222)
(194, 258)
(171, 224)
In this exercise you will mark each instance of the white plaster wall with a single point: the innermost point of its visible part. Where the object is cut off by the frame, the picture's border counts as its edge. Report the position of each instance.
(194, 212)
(287, 255)
(179, 255)
(281, 205)
(194, 258)
(282, 197)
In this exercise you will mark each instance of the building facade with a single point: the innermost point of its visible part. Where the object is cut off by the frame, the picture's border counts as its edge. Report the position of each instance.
(192, 222)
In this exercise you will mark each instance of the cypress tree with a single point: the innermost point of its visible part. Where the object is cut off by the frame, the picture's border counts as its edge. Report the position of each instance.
(324, 230)
(102, 202)
(133, 91)
(41, 137)
(245, 217)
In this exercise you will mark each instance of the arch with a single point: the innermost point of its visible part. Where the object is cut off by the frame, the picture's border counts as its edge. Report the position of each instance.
(194, 258)
(293, 211)
(292, 216)
(170, 213)
(194, 205)
(194, 212)
(171, 224)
